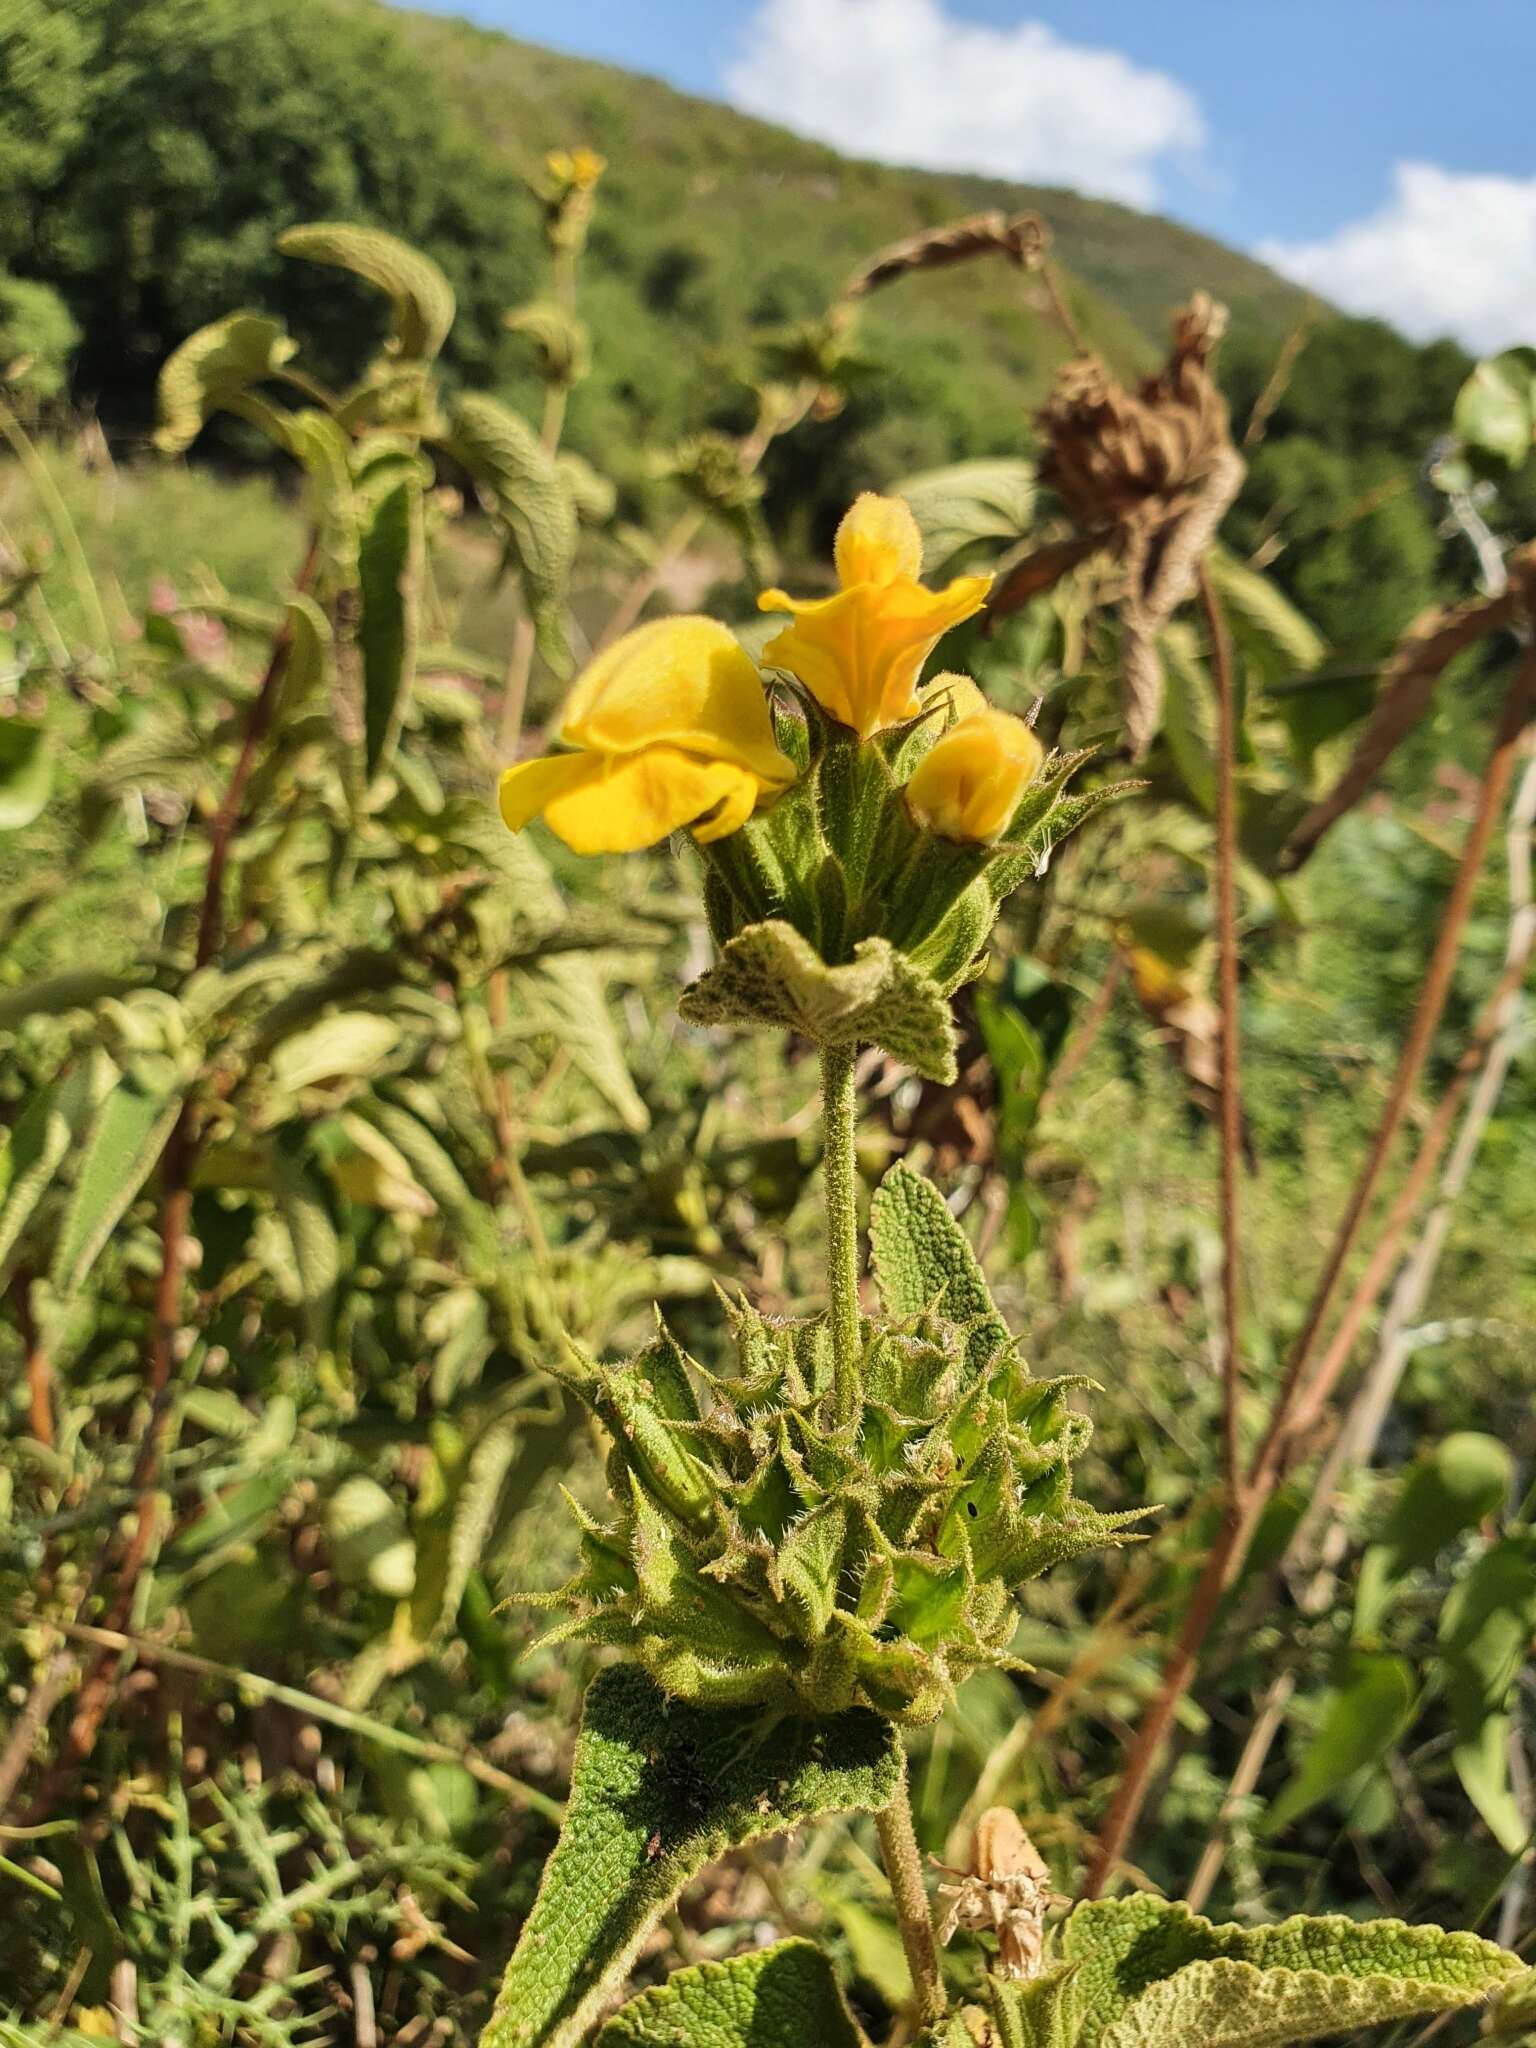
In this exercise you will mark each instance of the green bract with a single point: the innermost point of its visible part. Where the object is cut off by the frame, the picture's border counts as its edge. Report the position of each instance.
(840, 918)
(764, 1555)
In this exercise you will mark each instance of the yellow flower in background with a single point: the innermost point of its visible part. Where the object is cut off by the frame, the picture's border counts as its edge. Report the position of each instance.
(672, 729)
(579, 167)
(969, 783)
(860, 653)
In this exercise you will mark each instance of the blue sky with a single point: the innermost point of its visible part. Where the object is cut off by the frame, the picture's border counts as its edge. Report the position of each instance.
(1383, 150)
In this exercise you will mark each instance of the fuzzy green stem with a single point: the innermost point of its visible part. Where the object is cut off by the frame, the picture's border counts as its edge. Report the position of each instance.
(904, 1867)
(839, 1117)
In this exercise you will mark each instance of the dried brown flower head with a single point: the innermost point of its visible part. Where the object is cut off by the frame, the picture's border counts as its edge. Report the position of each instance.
(1007, 1890)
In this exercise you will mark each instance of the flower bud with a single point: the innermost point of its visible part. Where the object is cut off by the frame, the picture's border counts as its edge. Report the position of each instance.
(969, 783)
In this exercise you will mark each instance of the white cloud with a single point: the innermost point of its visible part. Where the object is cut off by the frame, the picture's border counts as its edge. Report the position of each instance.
(1450, 253)
(903, 81)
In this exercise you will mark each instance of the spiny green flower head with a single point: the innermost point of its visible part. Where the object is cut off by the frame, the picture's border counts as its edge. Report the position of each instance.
(761, 1554)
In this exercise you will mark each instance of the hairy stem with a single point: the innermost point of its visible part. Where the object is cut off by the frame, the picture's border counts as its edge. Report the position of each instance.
(839, 1115)
(904, 1867)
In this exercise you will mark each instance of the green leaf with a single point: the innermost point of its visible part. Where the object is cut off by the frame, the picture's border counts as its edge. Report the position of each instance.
(26, 773)
(421, 296)
(595, 497)
(1485, 1634)
(1030, 860)
(769, 974)
(658, 1790)
(370, 1544)
(1151, 1974)
(991, 499)
(306, 1214)
(780, 1997)
(1364, 1716)
(121, 1150)
(532, 503)
(1495, 411)
(476, 1505)
(213, 369)
(40, 1141)
(77, 988)
(1462, 1481)
(1268, 629)
(563, 343)
(923, 1260)
(435, 1168)
(1189, 719)
(565, 994)
(310, 667)
(1235, 2005)
(1039, 2014)
(348, 1045)
(317, 443)
(391, 556)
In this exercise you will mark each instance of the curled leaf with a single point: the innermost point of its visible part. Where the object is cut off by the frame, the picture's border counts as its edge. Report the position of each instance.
(420, 295)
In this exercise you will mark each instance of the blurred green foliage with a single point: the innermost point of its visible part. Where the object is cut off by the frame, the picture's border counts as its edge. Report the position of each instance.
(363, 1446)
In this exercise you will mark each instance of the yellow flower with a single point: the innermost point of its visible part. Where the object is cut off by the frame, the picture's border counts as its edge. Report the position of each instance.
(672, 729)
(860, 653)
(968, 784)
(579, 167)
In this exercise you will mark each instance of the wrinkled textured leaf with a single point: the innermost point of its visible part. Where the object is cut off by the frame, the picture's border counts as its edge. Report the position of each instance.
(990, 499)
(213, 367)
(769, 974)
(1040, 2014)
(532, 502)
(350, 1044)
(40, 1143)
(391, 552)
(658, 1790)
(121, 1151)
(1299, 1977)
(1235, 2005)
(923, 1259)
(421, 296)
(785, 1996)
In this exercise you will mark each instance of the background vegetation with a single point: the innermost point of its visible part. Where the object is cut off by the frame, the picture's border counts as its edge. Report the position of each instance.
(320, 1800)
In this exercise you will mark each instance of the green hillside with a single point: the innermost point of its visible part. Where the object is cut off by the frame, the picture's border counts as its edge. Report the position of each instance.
(154, 150)
(717, 164)
(713, 224)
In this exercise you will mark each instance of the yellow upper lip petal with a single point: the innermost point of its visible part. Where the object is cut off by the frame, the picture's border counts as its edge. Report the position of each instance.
(860, 651)
(683, 682)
